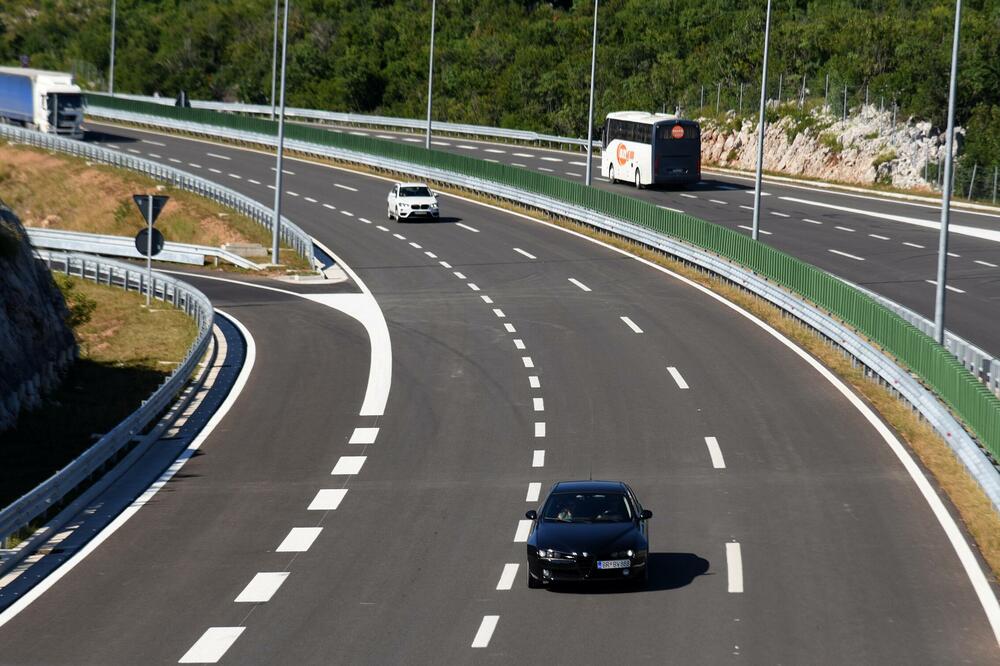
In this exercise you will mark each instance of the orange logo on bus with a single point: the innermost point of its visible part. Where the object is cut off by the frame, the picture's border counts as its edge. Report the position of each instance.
(677, 131)
(623, 154)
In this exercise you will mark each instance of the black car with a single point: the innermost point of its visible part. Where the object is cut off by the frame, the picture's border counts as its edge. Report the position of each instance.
(588, 530)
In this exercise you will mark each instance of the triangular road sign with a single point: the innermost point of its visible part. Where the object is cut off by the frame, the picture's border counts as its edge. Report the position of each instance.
(142, 201)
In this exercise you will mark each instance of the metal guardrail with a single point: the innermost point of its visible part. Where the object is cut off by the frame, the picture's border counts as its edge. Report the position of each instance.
(414, 124)
(896, 377)
(291, 234)
(978, 361)
(123, 246)
(50, 493)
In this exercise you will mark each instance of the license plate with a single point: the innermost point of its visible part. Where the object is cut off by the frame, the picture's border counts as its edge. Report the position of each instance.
(613, 564)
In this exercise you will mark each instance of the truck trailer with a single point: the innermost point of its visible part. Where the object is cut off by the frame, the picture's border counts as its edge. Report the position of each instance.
(46, 101)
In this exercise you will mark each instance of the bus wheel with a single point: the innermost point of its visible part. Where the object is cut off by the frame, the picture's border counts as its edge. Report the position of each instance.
(611, 172)
(638, 180)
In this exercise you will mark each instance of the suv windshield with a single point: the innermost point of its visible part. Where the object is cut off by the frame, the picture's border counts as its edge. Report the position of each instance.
(587, 508)
(414, 192)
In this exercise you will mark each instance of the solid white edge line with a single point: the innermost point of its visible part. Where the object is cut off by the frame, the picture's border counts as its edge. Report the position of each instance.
(734, 567)
(486, 628)
(144, 498)
(964, 553)
(212, 645)
(261, 587)
(718, 462)
(507, 576)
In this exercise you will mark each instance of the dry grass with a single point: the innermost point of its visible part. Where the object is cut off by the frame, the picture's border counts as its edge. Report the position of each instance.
(974, 508)
(62, 192)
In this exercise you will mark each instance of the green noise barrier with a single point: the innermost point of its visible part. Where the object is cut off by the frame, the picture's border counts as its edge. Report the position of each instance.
(970, 400)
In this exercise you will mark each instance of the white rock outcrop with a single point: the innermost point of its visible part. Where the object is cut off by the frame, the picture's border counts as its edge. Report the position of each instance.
(866, 148)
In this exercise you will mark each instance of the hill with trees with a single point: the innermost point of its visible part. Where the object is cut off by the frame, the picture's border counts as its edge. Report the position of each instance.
(518, 63)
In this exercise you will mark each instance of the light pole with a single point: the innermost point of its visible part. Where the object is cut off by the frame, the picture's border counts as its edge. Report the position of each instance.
(111, 74)
(760, 128)
(274, 58)
(430, 77)
(942, 271)
(590, 110)
(276, 222)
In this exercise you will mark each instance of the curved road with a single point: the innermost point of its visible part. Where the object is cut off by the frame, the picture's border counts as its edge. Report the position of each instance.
(521, 356)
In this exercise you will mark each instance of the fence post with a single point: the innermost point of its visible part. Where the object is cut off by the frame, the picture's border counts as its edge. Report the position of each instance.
(780, 76)
(718, 96)
(826, 92)
(702, 103)
(972, 181)
(802, 97)
(995, 185)
(741, 99)
(845, 103)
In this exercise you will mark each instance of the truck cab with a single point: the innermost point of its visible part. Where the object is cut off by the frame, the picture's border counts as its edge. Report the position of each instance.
(41, 100)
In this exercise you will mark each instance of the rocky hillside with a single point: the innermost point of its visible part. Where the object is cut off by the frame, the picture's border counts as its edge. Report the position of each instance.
(865, 149)
(36, 344)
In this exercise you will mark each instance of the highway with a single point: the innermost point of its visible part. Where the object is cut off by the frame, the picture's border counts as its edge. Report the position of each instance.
(521, 355)
(887, 245)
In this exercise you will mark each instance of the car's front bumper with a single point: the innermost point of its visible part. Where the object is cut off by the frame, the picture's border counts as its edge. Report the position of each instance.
(581, 569)
(417, 213)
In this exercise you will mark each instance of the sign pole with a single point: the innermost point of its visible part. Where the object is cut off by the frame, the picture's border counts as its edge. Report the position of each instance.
(149, 250)
(760, 127)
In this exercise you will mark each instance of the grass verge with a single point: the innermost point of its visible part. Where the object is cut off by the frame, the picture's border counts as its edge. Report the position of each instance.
(126, 351)
(56, 191)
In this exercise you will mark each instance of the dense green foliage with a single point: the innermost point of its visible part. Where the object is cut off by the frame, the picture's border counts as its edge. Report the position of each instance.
(525, 64)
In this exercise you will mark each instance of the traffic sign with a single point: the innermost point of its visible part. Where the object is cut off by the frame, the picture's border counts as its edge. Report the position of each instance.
(142, 201)
(142, 242)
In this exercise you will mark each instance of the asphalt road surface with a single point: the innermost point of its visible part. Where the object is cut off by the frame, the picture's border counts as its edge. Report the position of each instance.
(521, 355)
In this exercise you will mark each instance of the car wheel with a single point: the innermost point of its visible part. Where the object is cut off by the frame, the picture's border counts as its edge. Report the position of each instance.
(611, 173)
(533, 582)
(638, 180)
(388, 213)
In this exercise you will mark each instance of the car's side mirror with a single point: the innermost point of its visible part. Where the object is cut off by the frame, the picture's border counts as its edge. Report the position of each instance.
(531, 515)
(646, 514)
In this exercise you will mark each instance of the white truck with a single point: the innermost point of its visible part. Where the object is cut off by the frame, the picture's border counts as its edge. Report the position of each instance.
(45, 101)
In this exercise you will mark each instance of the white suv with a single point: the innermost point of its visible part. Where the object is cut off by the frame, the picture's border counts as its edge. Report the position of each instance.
(410, 199)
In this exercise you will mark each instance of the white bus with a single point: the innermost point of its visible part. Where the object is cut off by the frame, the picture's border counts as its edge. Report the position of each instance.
(650, 149)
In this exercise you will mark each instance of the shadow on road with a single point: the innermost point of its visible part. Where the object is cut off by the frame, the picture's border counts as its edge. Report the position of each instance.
(430, 220)
(92, 136)
(667, 571)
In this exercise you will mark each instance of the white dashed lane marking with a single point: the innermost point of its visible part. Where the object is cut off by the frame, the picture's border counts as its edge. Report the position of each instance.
(495, 150)
(676, 210)
(364, 436)
(518, 164)
(486, 299)
(534, 382)
(465, 226)
(734, 567)
(290, 193)
(445, 264)
(155, 156)
(212, 645)
(845, 254)
(154, 143)
(174, 160)
(523, 528)
(473, 286)
(839, 228)
(326, 205)
(349, 214)
(219, 157)
(777, 214)
(311, 200)
(518, 343)
(440, 143)
(579, 284)
(538, 458)
(947, 286)
(486, 628)
(214, 170)
(879, 237)
(262, 587)
(255, 182)
(919, 247)
(196, 166)
(133, 150)
(523, 155)
(719, 201)
(399, 236)
(526, 254)
(299, 540)
(349, 465)
(746, 207)
(507, 576)
(811, 221)
(460, 276)
(538, 404)
(327, 499)
(956, 256)
(718, 462)
(528, 363)
(984, 263)
(236, 176)
(346, 187)
(540, 429)
(510, 328)
(631, 324)
(499, 313)
(431, 255)
(689, 196)
(766, 233)
(465, 146)
(534, 490)
(546, 170)
(415, 246)
(285, 171)
(551, 159)
(675, 373)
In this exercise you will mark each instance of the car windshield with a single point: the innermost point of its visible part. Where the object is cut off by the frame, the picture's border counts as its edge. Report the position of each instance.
(417, 191)
(587, 507)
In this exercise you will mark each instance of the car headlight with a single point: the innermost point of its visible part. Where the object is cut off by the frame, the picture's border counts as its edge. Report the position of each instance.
(403, 204)
(623, 554)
